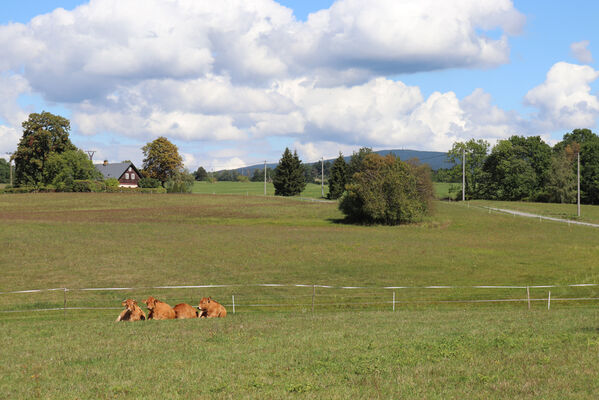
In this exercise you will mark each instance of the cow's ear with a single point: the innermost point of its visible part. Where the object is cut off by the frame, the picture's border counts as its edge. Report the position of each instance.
(135, 302)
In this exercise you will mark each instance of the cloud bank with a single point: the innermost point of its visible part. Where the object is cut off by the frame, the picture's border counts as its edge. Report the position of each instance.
(240, 75)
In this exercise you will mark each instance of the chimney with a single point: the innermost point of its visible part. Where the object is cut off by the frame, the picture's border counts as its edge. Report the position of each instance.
(105, 162)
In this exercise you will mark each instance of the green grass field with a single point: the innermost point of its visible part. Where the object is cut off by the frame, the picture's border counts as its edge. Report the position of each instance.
(252, 188)
(563, 211)
(442, 190)
(273, 346)
(312, 190)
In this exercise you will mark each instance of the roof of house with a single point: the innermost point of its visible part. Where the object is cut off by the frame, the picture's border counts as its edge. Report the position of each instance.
(115, 170)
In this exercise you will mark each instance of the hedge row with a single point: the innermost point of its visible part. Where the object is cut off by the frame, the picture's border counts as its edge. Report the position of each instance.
(82, 186)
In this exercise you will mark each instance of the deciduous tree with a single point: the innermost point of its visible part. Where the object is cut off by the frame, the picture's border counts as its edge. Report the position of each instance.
(476, 154)
(561, 183)
(161, 160)
(63, 168)
(43, 135)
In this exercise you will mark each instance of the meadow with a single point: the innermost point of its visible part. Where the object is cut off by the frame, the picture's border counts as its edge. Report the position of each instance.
(563, 211)
(274, 346)
(252, 188)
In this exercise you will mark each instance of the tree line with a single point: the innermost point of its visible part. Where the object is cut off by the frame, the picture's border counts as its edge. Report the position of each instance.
(46, 159)
(312, 174)
(528, 169)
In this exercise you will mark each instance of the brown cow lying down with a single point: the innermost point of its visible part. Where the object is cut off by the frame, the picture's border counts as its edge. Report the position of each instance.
(132, 312)
(159, 310)
(183, 311)
(211, 309)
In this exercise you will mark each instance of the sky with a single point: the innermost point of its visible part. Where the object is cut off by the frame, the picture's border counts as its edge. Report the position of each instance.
(234, 82)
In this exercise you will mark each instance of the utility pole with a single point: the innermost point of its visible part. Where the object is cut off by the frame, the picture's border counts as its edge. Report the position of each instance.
(265, 177)
(10, 167)
(578, 175)
(90, 153)
(322, 176)
(463, 174)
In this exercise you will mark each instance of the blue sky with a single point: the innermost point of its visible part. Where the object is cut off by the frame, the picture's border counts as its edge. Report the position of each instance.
(228, 105)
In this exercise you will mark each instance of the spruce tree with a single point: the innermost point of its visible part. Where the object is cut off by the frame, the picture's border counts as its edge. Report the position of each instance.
(338, 178)
(289, 177)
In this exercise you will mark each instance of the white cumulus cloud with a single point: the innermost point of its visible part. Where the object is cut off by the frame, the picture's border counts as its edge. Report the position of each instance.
(581, 53)
(564, 100)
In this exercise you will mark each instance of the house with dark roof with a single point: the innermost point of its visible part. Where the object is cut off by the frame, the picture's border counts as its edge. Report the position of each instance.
(126, 173)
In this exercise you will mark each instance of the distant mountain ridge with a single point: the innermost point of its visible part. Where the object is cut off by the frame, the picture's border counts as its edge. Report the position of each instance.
(436, 159)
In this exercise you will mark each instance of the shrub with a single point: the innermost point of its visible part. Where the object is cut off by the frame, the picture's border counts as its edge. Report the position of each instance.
(159, 190)
(111, 182)
(388, 191)
(29, 189)
(149, 183)
(86, 185)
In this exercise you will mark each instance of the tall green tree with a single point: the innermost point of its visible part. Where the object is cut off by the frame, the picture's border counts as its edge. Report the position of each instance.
(589, 175)
(338, 178)
(586, 143)
(507, 176)
(200, 174)
(4, 171)
(43, 135)
(517, 169)
(476, 155)
(561, 183)
(161, 160)
(289, 179)
(355, 162)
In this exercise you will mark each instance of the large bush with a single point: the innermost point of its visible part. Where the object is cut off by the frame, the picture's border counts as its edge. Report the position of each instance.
(388, 191)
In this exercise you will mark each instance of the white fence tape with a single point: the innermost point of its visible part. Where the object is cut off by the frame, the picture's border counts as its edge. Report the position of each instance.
(305, 286)
(331, 304)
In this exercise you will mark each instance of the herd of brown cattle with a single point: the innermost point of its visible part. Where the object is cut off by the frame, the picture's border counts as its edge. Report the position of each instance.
(157, 309)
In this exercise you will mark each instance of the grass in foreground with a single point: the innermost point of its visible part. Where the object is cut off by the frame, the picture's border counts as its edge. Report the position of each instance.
(471, 353)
